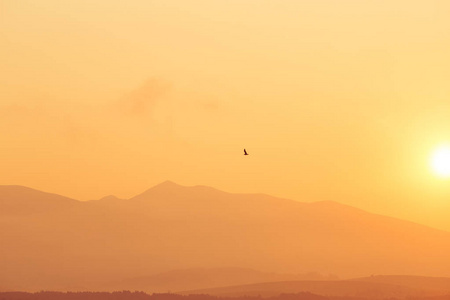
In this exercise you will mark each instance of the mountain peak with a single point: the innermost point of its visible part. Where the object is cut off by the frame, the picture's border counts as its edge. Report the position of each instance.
(110, 198)
(167, 184)
(171, 189)
(164, 188)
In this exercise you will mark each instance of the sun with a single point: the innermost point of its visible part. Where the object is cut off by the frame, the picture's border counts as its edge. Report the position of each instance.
(440, 161)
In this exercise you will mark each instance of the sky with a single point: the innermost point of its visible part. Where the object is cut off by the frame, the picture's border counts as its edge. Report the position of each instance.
(333, 100)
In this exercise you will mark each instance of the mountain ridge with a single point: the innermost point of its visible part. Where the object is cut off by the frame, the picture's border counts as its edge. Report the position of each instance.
(175, 227)
(170, 188)
(177, 280)
(20, 199)
(331, 288)
(168, 184)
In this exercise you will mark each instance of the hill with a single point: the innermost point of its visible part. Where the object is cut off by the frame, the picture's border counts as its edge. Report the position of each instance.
(439, 284)
(375, 287)
(20, 200)
(54, 242)
(188, 279)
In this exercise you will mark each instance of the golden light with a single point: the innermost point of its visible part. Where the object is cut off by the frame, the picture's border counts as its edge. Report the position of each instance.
(440, 161)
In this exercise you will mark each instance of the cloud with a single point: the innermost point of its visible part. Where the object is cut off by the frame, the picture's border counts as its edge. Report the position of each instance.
(142, 101)
(211, 106)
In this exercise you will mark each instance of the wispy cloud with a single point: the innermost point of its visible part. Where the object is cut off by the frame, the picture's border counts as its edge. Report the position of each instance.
(211, 105)
(142, 101)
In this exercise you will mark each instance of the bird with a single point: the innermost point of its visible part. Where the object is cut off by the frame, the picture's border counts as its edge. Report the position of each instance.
(245, 152)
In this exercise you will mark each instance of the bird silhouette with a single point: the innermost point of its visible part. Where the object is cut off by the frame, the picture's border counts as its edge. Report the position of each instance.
(245, 152)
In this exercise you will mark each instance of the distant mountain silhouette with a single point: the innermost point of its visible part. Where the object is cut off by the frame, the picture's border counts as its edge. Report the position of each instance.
(188, 279)
(16, 199)
(54, 242)
(438, 284)
(110, 199)
(362, 288)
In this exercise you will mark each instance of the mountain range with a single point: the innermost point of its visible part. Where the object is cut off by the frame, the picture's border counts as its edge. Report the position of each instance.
(54, 242)
(373, 287)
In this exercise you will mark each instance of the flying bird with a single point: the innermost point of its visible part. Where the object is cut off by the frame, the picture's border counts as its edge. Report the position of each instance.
(245, 152)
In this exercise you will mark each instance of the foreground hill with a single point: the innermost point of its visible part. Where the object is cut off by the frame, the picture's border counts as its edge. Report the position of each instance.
(127, 295)
(53, 242)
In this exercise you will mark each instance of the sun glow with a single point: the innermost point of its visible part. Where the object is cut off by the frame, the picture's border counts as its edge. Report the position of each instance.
(440, 161)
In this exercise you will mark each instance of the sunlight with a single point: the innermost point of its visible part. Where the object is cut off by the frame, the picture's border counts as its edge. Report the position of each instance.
(440, 161)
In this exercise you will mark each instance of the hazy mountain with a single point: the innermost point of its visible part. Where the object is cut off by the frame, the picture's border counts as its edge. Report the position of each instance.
(54, 242)
(339, 288)
(188, 279)
(20, 200)
(110, 199)
(439, 284)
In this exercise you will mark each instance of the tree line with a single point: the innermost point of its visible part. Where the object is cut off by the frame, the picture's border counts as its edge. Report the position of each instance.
(128, 295)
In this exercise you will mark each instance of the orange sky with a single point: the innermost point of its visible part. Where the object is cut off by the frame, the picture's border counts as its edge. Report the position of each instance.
(334, 100)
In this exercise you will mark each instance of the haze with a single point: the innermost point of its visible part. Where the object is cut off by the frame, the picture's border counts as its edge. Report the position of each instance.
(176, 238)
(334, 100)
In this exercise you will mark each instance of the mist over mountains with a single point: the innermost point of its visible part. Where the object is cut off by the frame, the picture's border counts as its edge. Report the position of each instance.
(57, 243)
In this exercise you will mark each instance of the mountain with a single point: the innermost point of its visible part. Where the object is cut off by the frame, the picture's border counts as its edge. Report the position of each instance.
(20, 200)
(438, 284)
(54, 242)
(110, 199)
(189, 279)
(362, 288)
